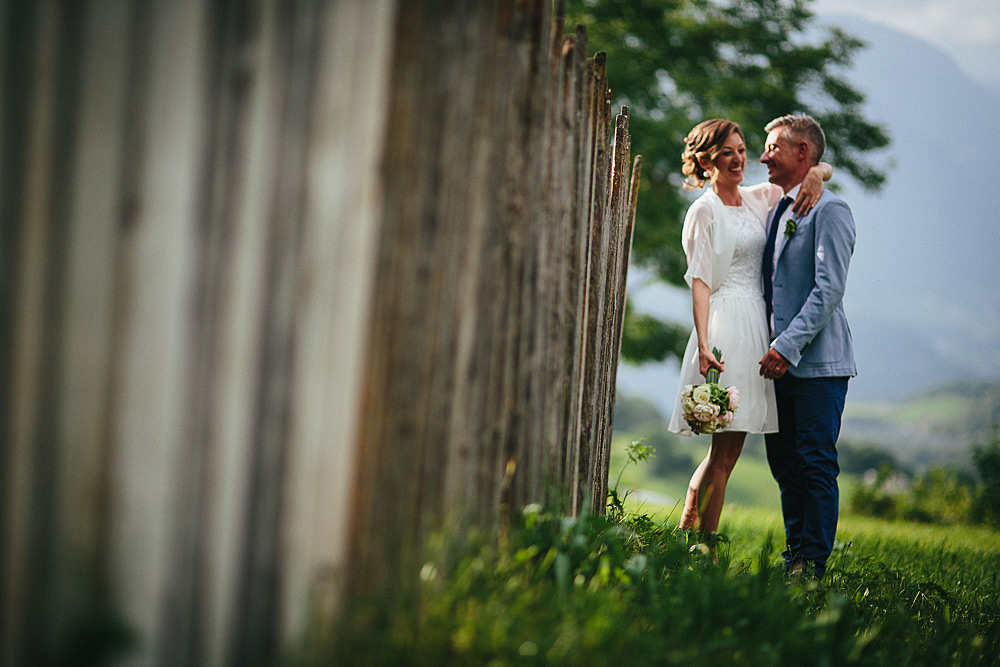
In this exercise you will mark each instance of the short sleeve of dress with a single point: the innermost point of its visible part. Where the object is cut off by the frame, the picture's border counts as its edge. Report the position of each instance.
(697, 242)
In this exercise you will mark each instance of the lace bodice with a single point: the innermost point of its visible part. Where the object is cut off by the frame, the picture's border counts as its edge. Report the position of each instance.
(744, 271)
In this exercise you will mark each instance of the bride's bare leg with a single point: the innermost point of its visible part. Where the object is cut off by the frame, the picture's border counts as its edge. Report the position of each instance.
(689, 518)
(707, 489)
(722, 456)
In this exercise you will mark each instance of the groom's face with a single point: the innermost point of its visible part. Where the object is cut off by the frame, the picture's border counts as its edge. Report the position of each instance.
(780, 158)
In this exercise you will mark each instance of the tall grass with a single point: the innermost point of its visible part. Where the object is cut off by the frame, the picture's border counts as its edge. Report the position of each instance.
(627, 590)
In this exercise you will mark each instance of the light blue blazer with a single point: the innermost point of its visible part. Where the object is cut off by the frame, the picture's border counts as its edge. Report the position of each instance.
(810, 327)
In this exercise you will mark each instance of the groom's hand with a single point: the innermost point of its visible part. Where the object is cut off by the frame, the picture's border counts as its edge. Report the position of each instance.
(773, 365)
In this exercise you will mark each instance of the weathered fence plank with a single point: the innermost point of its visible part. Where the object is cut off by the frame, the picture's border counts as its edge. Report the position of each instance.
(186, 253)
(617, 230)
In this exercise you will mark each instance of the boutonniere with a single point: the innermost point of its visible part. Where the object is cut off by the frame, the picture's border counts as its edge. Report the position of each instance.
(790, 227)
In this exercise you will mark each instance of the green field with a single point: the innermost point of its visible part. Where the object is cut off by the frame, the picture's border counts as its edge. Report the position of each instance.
(629, 588)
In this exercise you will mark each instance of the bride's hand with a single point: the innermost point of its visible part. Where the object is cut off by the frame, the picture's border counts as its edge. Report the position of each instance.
(707, 360)
(812, 188)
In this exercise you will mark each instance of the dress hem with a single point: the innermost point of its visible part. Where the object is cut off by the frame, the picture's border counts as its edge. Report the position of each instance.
(689, 433)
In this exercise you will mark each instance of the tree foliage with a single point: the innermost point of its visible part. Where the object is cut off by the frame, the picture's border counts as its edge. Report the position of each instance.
(678, 62)
(986, 458)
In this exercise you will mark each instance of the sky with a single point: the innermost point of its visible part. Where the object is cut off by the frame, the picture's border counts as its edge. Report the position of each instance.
(967, 30)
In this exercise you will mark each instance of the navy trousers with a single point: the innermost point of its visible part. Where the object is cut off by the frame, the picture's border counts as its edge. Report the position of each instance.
(803, 459)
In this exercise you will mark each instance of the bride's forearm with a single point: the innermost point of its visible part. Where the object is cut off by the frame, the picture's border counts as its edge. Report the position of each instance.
(700, 292)
(825, 170)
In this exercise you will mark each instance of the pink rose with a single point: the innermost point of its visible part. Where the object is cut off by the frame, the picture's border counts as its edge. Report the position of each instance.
(734, 398)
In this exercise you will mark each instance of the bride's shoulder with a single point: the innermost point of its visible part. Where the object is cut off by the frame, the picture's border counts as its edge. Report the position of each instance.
(764, 193)
(703, 208)
(700, 214)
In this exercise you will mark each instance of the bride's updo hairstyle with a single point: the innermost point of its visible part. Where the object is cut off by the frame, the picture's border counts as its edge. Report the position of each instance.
(704, 141)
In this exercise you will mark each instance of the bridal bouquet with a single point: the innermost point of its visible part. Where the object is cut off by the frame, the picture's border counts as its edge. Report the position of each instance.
(710, 407)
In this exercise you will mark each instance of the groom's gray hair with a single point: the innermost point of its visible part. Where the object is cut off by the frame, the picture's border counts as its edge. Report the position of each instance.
(802, 128)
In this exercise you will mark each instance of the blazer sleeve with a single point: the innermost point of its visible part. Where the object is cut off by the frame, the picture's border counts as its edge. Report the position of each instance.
(834, 243)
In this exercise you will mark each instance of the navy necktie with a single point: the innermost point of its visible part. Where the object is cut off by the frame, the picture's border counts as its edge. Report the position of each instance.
(767, 263)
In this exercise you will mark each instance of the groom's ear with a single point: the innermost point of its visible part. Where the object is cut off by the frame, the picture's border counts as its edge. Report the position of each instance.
(802, 150)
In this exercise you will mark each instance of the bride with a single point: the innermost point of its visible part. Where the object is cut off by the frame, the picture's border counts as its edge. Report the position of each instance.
(723, 237)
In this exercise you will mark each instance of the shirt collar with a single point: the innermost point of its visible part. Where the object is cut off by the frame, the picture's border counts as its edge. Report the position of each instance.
(791, 194)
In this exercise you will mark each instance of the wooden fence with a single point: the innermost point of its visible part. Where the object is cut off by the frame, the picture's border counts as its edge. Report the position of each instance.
(286, 285)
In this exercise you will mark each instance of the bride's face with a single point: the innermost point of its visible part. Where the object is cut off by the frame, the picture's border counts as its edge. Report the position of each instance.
(731, 161)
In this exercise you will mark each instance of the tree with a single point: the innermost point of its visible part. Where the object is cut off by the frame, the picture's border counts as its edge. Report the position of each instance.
(986, 457)
(678, 62)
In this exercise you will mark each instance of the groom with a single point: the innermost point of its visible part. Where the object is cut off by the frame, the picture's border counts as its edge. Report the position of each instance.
(804, 271)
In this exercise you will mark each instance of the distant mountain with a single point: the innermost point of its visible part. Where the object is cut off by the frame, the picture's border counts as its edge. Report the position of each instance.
(922, 295)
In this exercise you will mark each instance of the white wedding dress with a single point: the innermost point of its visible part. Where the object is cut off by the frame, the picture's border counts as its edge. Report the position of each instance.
(724, 246)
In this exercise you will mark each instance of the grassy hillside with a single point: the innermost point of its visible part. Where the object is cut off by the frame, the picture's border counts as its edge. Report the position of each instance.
(932, 428)
(935, 427)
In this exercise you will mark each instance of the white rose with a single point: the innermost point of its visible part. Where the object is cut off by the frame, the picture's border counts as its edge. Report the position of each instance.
(702, 394)
(687, 403)
(734, 398)
(705, 413)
